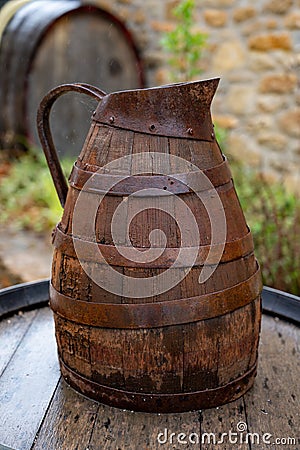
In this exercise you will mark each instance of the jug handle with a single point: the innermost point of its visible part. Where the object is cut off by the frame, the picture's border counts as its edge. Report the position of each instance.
(43, 125)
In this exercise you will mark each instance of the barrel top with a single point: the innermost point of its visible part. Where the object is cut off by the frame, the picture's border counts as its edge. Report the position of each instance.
(68, 419)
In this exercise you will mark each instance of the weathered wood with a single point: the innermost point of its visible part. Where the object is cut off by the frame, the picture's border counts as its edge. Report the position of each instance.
(28, 382)
(12, 331)
(69, 421)
(274, 405)
(126, 430)
(219, 421)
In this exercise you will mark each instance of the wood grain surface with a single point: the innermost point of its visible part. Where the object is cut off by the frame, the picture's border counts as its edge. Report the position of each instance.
(39, 412)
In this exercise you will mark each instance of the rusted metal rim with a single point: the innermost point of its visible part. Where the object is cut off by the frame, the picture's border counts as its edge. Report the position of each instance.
(114, 255)
(160, 403)
(125, 185)
(164, 110)
(24, 296)
(35, 294)
(159, 314)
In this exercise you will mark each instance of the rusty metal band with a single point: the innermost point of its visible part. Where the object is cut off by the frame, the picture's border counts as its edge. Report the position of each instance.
(110, 254)
(126, 185)
(179, 110)
(160, 314)
(160, 403)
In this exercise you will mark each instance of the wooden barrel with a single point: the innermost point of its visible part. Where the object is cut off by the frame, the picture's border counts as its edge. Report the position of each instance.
(44, 413)
(192, 344)
(47, 43)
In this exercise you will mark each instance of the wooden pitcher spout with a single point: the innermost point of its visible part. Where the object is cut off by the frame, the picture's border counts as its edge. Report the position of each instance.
(176, 110)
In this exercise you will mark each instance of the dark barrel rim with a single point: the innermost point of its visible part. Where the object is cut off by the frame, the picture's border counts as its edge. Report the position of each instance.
(35, 294)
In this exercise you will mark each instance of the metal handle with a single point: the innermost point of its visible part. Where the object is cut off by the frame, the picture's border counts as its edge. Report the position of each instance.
(43, 125)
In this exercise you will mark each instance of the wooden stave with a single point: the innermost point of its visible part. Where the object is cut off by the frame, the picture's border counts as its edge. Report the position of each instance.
(139, 360)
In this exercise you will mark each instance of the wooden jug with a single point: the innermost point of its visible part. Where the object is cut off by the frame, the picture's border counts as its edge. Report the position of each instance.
(155, 287)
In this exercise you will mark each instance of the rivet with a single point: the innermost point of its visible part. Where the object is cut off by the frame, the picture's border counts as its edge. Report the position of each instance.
(111, 119)
(94, 113)
(213, 135)
(190, 131)
(152, 127)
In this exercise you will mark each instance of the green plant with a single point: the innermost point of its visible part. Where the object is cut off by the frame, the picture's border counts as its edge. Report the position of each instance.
(184, 45)
(221, 135)
(27, 195)
(273, 215)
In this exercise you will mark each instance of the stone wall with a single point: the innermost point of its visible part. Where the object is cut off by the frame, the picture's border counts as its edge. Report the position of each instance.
(254, 46)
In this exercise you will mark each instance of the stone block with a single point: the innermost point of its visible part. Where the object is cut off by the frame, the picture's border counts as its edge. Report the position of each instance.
(253, 27)
(169, 7)
(139, 17)
(240, 100)
(241, 76)
(270, 24)
(260, 62)
(278, 83)
(244, 13)
(292, 20)
(154, 58)
(240, 147)
(271, 41)
(106, 5)
(292, 182)
(215, 18)
(274, 141)
(226, 121)
(260, 122)
(278, 6)
(162, 76)
(289, 122)
(229, 55)
(124, 13)
(286, 62)
(270, 103)
(218, 3)
(162, 26)
(269, 176)
(279, 166)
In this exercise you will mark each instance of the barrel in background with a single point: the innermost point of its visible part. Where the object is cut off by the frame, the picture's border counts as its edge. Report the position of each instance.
(47, 43)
